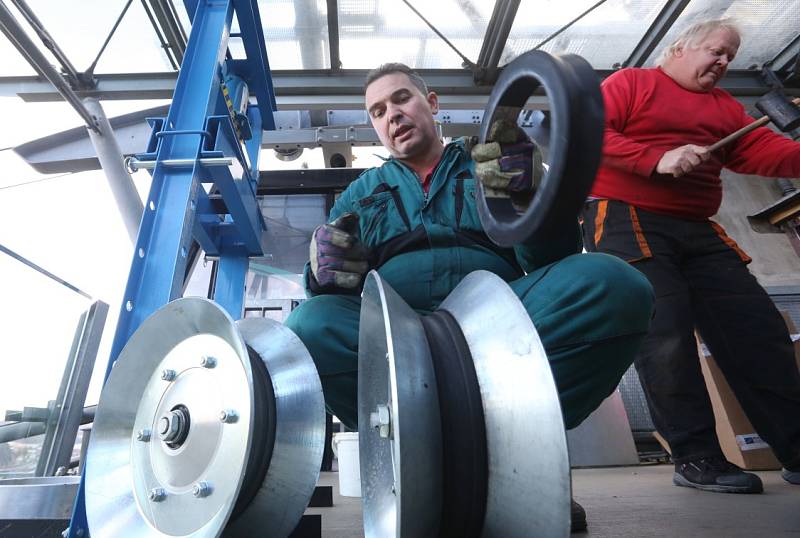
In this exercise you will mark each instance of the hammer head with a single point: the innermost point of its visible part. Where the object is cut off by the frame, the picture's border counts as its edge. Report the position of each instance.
(780, 109)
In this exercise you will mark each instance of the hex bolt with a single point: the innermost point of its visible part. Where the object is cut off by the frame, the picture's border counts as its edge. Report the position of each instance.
(168, 375)
(143, 435)
(208, 362)
(157, 495)
(228, 416)
(163, 425)
(381, 420)
(202, 489)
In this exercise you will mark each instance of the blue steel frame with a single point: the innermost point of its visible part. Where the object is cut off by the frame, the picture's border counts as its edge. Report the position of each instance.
(178, 209)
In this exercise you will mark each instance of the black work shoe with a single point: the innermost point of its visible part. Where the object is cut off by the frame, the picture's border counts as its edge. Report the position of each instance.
(716, 474)
(793, 477)
(578, 517)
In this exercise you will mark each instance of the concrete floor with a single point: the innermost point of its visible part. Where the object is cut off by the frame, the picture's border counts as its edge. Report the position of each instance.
(639, 502)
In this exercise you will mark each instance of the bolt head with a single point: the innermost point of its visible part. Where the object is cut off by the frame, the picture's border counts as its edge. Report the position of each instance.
(168, 375)
(208, 362)
(157, 495)
(381, 420)
(163, 425)
(228, 416)
(201, 489)
(143, 435)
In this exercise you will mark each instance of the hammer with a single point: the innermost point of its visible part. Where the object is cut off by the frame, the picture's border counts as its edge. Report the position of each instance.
(776, 107)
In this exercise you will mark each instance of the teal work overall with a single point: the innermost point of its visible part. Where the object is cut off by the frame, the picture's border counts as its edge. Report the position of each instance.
(591, 310)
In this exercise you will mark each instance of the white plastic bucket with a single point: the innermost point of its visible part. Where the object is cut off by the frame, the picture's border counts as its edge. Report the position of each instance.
(345, 446)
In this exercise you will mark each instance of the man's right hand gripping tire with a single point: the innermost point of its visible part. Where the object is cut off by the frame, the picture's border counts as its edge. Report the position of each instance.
(338, 258)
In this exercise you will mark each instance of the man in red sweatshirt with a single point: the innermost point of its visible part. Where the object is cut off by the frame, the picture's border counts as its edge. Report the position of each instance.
(650, 205)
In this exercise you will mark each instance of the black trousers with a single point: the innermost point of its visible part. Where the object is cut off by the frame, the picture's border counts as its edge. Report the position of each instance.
(701, 282)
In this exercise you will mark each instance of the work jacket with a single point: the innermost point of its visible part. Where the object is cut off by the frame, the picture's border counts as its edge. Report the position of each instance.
(423, 244)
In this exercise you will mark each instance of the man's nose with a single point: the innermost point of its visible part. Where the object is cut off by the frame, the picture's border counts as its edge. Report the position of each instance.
(394, 113)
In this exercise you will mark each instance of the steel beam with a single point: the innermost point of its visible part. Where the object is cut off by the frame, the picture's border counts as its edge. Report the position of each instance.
(661, 25)
(494, 41)
(786, 61)
(25, 45)
(311, 181)
(173, 32)
(315, 90)
(62, 425)
(333, 35)
(49, 42)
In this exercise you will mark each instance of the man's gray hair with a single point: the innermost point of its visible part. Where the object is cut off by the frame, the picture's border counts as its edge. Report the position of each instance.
(396, 67)
(694, 35)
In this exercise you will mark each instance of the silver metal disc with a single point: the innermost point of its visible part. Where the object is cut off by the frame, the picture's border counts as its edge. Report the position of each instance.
(186, 360)
(529, 483)
(398, 419)
(299, 431)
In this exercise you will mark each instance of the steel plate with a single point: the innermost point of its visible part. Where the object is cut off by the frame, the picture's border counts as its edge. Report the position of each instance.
(122, 471)
(400, 475)
(529, 483)
(299, 431)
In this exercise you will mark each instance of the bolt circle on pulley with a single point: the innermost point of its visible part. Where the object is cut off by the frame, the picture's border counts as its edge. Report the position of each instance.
(571, 139)
(199, 455)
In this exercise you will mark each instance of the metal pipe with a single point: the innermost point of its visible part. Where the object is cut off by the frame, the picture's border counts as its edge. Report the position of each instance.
(135, 164)
(23, 430)
(20, 430)
(111, 160)
(25, 45)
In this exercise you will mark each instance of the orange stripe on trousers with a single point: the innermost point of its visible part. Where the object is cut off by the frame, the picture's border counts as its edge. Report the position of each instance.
(599, 220)
(730, 242)
(637, 231)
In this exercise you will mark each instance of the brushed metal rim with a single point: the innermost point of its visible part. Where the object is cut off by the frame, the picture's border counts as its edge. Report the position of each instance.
(299, 431)
(117, 475)
(400, 476)
(529, 487)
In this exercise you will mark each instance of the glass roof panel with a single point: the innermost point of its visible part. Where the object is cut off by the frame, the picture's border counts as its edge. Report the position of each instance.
(295, 31)
(767, 26)
(80, 27)
(606, 36)
(372, 32)
(13, 63)
(135, 47)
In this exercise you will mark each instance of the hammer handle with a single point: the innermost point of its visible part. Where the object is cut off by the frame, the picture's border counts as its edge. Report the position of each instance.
(763, 120)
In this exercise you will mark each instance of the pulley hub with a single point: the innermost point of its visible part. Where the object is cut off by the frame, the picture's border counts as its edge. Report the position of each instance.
(188, 428)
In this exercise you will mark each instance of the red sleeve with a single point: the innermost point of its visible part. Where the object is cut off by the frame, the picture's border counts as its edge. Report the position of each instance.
(619, 151)
(764, 152)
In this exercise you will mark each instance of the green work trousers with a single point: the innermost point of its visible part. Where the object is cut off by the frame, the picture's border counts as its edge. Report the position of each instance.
(591, 312)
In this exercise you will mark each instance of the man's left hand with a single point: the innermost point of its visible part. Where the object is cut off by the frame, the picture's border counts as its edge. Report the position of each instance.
(509, 165)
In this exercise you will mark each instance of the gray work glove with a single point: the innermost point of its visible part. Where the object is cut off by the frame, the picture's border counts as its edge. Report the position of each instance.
(338, 258)
(509, 165)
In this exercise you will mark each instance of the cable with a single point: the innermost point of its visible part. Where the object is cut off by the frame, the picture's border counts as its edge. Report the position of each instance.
(43, 271)
(466, 61)
(35, 181)
(570, 23)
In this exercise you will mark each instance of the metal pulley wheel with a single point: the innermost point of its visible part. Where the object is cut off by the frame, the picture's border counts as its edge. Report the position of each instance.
(205, 427)
(570, 136)
(461, 432)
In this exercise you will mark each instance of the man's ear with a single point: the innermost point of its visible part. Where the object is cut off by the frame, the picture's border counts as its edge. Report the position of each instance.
(433, 102)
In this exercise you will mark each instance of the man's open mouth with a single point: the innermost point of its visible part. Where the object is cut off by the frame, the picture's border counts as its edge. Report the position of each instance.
(401, 131)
